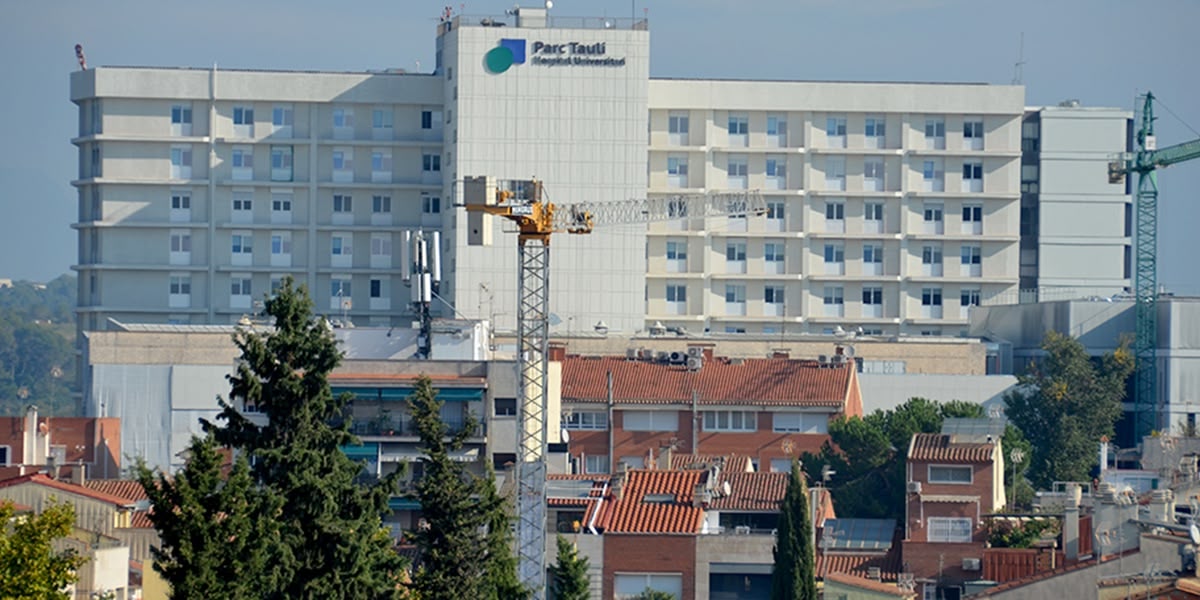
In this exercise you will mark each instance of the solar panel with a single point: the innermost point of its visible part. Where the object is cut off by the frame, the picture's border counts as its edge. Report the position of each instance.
(872, 535)
(568, 488)
(974, 428)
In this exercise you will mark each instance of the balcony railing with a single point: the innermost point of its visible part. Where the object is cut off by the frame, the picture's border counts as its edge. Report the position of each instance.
(405, 426)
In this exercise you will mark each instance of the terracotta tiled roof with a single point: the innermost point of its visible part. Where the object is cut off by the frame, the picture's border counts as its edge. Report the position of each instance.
(869, 584)
(752, 491)
(632, 514)
(940, 447)
(730, 464)
(858, 563)
(141, 520)
(40, 479)
(121, 488)
(824, 506)
(761, 382)
(403, 378)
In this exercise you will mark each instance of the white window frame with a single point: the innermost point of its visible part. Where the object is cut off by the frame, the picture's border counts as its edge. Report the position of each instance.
(835, 173)
(930, 469)
(875, 131)
(240, 290)
(343, 122)
(799, 422)
(181, 119)
(874, 174)
(596, 464)
(431, 162)
(933, 215)
(949, 530)
(241, 247)
(179, 290)
(283, 117)
(381, 166)
(678, 125)
(972, 180)
(430, 204)
(343, 164)
(835, 131)
(935, 133)
(737, 169)
(724, 421)
(973, 133)
(586, 420)
(282, 163)
(834, 299)
(181, 162)
(243, 121)
(776, 171)
(774, 257)
(656, 420)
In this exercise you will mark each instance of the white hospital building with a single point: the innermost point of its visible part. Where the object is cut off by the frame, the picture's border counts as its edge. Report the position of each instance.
(891, 206)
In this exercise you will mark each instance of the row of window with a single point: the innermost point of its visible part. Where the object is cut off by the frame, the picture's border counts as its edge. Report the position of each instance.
(342, 119)
(713, 420)
(241, 288)
(281, 205)
(283, 160)
(874, 130)
(874, 173)
(832, 295)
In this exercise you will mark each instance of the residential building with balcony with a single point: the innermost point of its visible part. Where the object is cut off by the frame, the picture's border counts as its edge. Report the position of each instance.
(768, 410)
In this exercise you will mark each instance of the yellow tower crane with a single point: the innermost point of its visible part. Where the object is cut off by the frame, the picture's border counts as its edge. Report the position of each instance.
(537, 219)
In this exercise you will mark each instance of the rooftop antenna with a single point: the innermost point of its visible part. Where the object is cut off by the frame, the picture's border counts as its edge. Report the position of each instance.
(79, 56)
(1019, 66)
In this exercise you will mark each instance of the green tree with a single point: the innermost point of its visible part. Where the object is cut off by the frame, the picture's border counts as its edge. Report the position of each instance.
(29, 565)
(650, 594)
(216, 533)
(1066, 403)
(569, 574)
(36, 367)
(331, 542)
(793, 576)
(466, 542)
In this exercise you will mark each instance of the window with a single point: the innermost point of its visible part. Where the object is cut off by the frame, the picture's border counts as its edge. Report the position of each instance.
(381, 118)
(775, 210)
(873, 217)
(677, 129)
(243, 206)
(343, 164)
(730, 420)
(948, 530)
(933, 174)
(281, 120)
(595, 464)
(931, 260)
(835, 254)
(97, 117)
(504, 407)
(776, 172)
(950, 474)
(872, 299)
(239, 285)
(972, 218)
(676, 250)
(281, 244)
(933, 215)
(737, 169)
(428, 119)
(243, 163)
(677, 171)
(181, 119)
(875, 129)
(342, 203)
(788, 422)
(873, 175)
(835, 173)
(739, 124)
(181, 162)
(781, 465)
(96, 164)
(181, 242)
(5, 452)
(931, 302)
(431, 163)
(381, 204)
(377, 289)
(243, 121)
(430, 204)
(835, 215)
(181, 206)
(735, 251)
(281, 207)
(834, 300)
(281, 163)
(179, 291)
(972, 260)
(972, 176)
(381, 250)
(774, 294)
(773, 252)
(343, 123)
(935, 133)
(972, 134)
(776, 131)
(340, 291)
(650, 420)
(835, 131)
(341, 244)
(735, 299)
(967, 298)
(586, 420)
(676, 293)
(242, 245)
(381, 166)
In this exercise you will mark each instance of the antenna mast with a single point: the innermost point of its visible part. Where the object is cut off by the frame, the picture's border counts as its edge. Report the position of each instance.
(1019, 66)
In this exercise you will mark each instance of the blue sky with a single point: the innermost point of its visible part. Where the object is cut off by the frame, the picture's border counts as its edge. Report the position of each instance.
(1101, 52)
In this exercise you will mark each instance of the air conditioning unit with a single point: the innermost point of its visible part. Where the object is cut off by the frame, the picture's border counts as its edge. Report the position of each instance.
(662, 356)
(874, 573)
(972, 564)
(695, 352)
(631, 353)
(838, 359)
(694, 363)
(822, 359)
(742, 530)
(914, 487)
(677, 358)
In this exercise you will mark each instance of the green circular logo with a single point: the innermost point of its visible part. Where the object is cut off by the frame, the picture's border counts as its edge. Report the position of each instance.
(498, 59)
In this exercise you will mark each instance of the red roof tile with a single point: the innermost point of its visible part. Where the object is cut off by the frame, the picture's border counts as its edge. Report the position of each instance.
(632, 514)
(141, 520)
(762, 382)
(121, 488)
(869, 584)
(39, 479)
(752, 491)
(824, 506)
(858, 564)
(942, 448)
(729, 464)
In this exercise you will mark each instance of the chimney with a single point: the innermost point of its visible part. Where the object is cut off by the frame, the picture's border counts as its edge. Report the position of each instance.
(783, 353)
(618, 485)
(79, 474)
(1070, 532)
(1162, 506)
(557, 351)
(30, 437)
(1045, 558)
(664, 457)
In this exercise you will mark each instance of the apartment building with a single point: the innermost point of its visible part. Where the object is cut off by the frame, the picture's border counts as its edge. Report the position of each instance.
(892, 207)
(625, 411)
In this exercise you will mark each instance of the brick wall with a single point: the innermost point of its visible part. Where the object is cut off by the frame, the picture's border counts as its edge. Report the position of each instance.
(650, 554)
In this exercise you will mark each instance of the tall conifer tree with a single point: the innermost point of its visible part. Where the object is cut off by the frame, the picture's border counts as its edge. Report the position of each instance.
(793, 576)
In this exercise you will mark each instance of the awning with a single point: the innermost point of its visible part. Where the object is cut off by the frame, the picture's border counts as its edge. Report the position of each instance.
(369, 450)
(948, 499)
(403, 504)
(414, 454)
(401, 394)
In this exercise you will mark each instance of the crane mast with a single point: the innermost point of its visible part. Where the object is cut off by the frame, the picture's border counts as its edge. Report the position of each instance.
(536, 219)
(1148, 407)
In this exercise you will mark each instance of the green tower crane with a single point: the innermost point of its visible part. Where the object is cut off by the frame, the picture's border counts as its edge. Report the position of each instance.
(1145, 162)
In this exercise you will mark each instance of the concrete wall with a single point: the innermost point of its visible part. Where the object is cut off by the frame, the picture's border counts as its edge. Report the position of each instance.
(746, 551)
(590, 547)
(634, 553)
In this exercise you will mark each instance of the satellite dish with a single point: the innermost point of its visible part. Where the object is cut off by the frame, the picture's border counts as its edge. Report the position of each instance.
(549, 4)
(1194, 532)
(727, 489)
(565, 436)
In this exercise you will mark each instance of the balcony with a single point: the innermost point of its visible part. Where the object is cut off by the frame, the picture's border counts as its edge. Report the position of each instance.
(405, 426)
